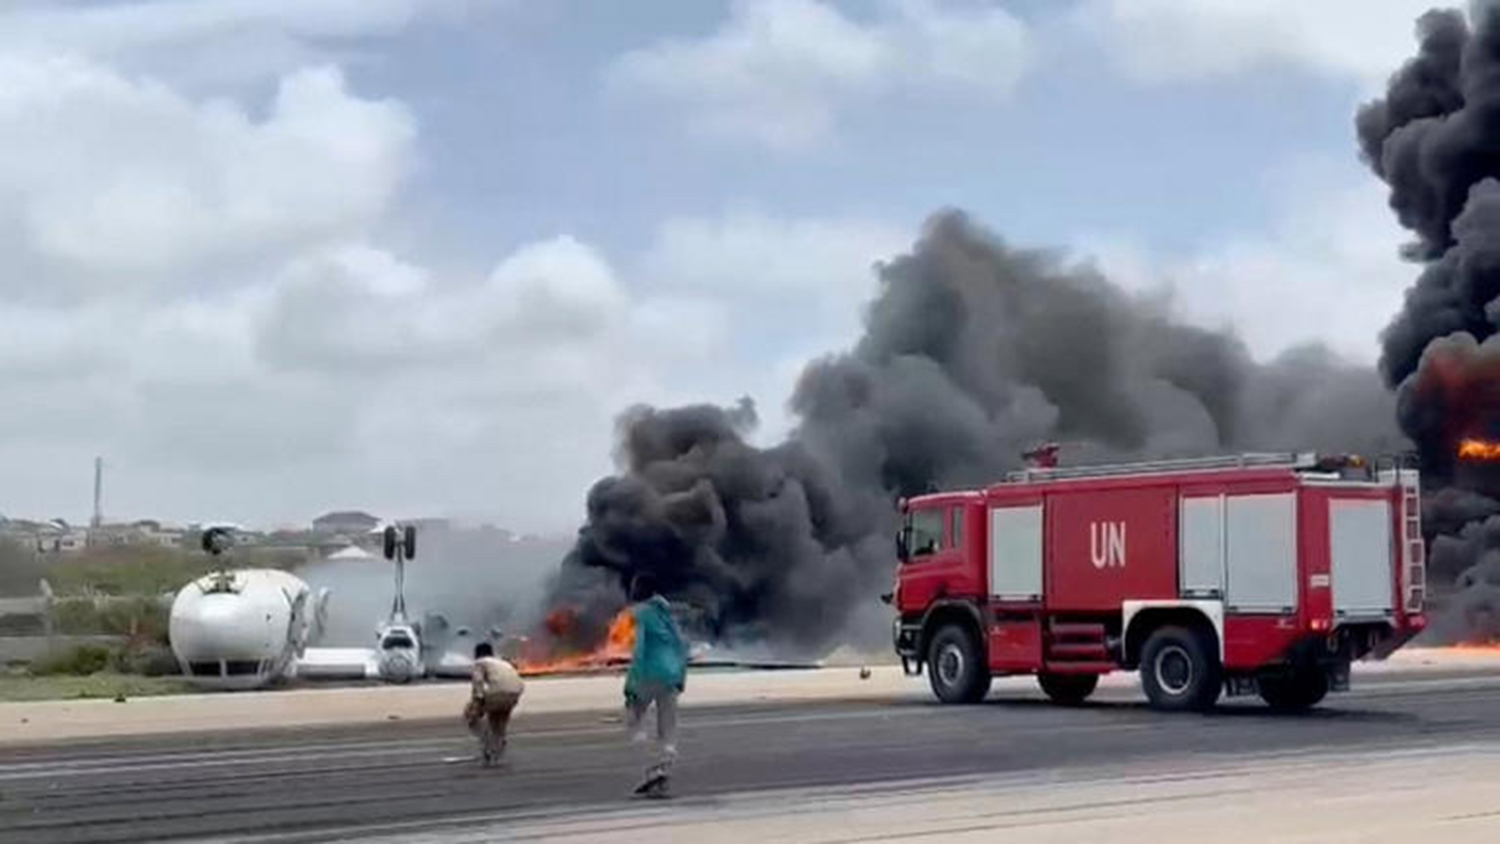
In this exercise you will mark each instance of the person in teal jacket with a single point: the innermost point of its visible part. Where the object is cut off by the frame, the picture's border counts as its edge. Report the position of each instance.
(658, 674)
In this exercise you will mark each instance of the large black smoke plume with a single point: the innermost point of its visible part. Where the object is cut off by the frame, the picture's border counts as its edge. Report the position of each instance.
(1435, 140)
(972, 351)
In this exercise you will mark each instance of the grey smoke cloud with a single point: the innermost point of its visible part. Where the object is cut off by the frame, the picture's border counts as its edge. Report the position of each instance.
(1472, 558)
(1427, 137)
(972, 351)
(1432, 138)
(1454, 292)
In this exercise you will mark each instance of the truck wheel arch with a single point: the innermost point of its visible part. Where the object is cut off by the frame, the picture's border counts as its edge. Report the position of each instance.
(1140, 618)
(947, 612)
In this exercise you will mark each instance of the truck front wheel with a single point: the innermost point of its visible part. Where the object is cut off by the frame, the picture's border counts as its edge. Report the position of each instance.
(1296, 692)
(955, 666)
(1180, 671)
(1068, 689)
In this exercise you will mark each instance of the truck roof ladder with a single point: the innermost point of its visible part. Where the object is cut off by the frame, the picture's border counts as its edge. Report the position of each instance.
(1257, 460)
(1413, 558)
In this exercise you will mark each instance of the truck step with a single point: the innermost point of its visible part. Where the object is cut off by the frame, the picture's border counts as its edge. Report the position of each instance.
(1076, 630)
(1084, 651)
(1081, 667)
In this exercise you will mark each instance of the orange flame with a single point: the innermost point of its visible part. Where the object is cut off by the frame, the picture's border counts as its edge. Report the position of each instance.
(614, 651)
(1489, 647)
(1472, 449)
(560, 621)
(621, 637)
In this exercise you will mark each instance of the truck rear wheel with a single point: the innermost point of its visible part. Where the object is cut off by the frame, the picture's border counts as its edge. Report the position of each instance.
(1180, 671)
(1296, 692)
(955, 666)
(1068, 689)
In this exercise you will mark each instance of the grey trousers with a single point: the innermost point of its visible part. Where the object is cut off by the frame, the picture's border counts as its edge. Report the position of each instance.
(664, 699)
(493, 723)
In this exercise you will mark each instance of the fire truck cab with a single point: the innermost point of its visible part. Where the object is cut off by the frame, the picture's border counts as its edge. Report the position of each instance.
(1254, 573)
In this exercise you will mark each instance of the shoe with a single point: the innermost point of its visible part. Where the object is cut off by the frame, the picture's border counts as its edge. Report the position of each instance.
(652, 786)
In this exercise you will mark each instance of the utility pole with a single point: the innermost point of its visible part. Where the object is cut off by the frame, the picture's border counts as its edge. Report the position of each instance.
(98, 518)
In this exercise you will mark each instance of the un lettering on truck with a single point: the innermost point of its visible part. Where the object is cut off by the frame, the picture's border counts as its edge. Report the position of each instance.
(1108, 546)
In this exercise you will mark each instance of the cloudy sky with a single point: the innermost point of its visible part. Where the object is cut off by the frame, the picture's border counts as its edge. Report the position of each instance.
(272, 257)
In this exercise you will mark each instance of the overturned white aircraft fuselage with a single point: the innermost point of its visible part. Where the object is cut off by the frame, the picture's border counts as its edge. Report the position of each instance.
(243, 628)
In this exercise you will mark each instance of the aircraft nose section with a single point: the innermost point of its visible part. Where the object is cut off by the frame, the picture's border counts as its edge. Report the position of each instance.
(237, 629)
(226, 627)
(399, 666)
(211, 625)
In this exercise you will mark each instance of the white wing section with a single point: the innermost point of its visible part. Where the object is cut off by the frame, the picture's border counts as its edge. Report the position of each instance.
(451, 666)
(338, 664)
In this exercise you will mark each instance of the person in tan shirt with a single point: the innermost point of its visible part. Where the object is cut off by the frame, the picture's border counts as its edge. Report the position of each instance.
(496, 689)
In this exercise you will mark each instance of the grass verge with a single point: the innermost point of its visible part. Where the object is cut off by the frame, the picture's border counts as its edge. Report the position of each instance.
(24, 687)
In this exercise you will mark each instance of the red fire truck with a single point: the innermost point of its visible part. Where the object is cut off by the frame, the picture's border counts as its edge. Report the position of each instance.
(1255, 573)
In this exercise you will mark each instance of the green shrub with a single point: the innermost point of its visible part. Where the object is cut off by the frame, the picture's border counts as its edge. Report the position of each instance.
(79, 661)
(128, 570)
(143, 619)
(76, 617)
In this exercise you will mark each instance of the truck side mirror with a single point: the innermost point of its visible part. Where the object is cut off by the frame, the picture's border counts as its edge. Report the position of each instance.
(903, 550)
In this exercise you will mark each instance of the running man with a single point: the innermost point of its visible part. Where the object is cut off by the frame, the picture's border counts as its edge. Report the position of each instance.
(497, 688)
(658, 674)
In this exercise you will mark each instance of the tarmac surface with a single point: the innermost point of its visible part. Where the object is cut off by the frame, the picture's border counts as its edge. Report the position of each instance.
(872, 764)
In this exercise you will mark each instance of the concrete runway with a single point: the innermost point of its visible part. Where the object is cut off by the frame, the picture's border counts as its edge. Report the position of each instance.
(746, 769)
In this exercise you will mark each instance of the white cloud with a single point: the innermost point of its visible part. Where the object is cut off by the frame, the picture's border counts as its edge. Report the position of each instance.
(558, 288)
(113, 178)
(779, 71)
(100, 26)
(1171, 41)
(555, 312)
(324, 386)
(521, 373)
(187, 286)
(384, 393)
(487, 375)
(191, 285)
(797, 287)
(213, 40)
(40, 344)
(825, 264)
(193, 290)
(1327, 269)
(349, 308)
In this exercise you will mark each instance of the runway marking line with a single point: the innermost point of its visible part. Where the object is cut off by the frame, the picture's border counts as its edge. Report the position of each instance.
(751, 804)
